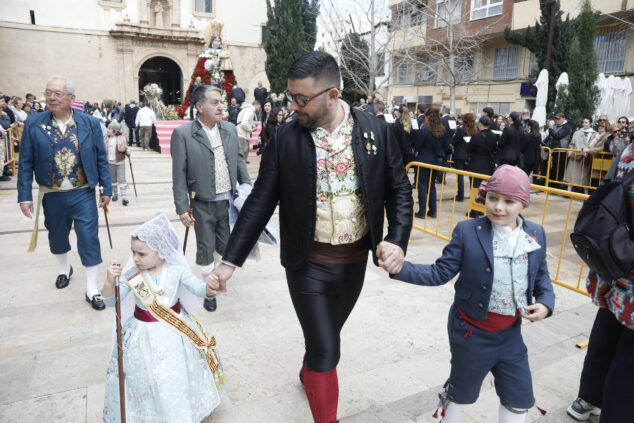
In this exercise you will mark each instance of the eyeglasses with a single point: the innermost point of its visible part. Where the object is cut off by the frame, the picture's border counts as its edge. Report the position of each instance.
(302, 100)
(56, 94)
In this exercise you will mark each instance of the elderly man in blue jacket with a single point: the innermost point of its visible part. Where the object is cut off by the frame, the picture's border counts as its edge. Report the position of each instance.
(66, 152)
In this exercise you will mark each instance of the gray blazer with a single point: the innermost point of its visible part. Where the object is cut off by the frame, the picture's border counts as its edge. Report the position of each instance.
(193, 167)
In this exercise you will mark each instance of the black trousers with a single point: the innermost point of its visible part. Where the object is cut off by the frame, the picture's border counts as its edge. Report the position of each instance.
(558, 169)
(424, 185)
(606, 378)
(133, 132)
(323, 295)
(460, 165)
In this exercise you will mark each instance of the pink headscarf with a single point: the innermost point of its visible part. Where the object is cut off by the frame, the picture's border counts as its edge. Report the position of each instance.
(507, 180)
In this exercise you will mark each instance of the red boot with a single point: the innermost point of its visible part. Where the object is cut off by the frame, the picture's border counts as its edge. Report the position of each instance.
(322, 391)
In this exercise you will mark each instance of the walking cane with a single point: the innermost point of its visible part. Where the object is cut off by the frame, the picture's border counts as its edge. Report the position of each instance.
(119, 349)
(190, 212)
(105, 214)
(132, 173)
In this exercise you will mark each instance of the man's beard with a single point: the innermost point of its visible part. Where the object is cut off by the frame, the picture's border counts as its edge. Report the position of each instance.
(312, 122)
(307, 122)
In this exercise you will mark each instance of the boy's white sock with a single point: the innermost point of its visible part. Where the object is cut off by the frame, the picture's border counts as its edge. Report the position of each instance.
(452, 413)
(64, 263)
(91, 280)
(511, 415)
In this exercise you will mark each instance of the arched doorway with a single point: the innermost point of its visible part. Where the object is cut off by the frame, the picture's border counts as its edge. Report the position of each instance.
(166, 73)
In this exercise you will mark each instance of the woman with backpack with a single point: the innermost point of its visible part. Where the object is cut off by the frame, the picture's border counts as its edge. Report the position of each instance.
(606, 384)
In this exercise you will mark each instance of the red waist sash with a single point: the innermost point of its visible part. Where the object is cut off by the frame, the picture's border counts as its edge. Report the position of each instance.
(146, 316)
(493, 323)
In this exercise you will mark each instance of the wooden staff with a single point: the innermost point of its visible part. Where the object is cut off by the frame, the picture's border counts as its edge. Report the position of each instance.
(190, 212)
(132, 173)
(120, 350)
(105, 214)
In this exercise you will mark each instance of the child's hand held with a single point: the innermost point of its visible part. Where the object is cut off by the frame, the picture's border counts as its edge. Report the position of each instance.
(213, 282)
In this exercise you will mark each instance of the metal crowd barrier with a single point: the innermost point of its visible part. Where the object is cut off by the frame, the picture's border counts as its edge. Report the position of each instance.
(566, 268)
(582, 169)
(8, 153)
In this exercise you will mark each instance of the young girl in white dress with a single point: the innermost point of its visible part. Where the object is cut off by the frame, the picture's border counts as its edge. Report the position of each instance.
(172, 371)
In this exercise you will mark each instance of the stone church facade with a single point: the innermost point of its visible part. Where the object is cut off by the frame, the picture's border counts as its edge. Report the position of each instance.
(109, 47)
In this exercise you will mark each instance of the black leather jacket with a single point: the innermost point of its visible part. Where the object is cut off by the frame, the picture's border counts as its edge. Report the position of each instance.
(288, 174)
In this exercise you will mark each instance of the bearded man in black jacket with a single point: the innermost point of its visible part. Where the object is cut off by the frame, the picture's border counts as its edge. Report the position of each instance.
(334, 171)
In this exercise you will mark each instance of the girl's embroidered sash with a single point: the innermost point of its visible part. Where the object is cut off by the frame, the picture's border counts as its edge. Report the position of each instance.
(137, 283)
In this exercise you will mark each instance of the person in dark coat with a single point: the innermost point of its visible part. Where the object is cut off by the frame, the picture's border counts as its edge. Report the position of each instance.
(233, 110)
(430, 148)
(238, 94)
(260, 93)
(379, 110)
(405, 135)
(530, 147)
(490, 113)
(446, 119)
(558, 137)
(480, 149)
(509, 147)
(420, 109)
(460, 155)
(129, 116)
(192, 107)
(276, 118)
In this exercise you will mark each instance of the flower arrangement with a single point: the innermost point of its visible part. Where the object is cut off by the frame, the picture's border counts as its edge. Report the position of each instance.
(152, 93)
(277, 99)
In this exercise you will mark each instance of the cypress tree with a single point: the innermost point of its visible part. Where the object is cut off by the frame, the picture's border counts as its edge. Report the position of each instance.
(582, 68)
(354, 48)
(536, 40)
(310, 11)
(287, 28)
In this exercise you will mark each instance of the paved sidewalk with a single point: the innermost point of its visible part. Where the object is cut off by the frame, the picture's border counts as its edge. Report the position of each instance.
(54, 348)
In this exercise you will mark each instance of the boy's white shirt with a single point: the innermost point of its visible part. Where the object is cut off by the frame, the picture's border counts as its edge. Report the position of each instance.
(508, 234)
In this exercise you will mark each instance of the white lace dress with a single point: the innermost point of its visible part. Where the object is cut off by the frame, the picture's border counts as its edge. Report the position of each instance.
(167, 379)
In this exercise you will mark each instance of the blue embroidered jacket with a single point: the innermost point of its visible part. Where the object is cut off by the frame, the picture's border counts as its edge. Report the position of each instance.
(37, 153)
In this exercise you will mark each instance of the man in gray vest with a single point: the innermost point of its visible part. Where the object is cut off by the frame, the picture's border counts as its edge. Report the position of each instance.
(207, 159)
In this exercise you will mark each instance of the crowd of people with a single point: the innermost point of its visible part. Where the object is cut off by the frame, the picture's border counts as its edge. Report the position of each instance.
(480, 143)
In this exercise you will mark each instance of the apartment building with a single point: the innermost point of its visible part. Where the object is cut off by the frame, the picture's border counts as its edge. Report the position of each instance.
(488, 70)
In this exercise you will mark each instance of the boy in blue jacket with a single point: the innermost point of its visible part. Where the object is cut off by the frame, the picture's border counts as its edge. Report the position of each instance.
(501, 259)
